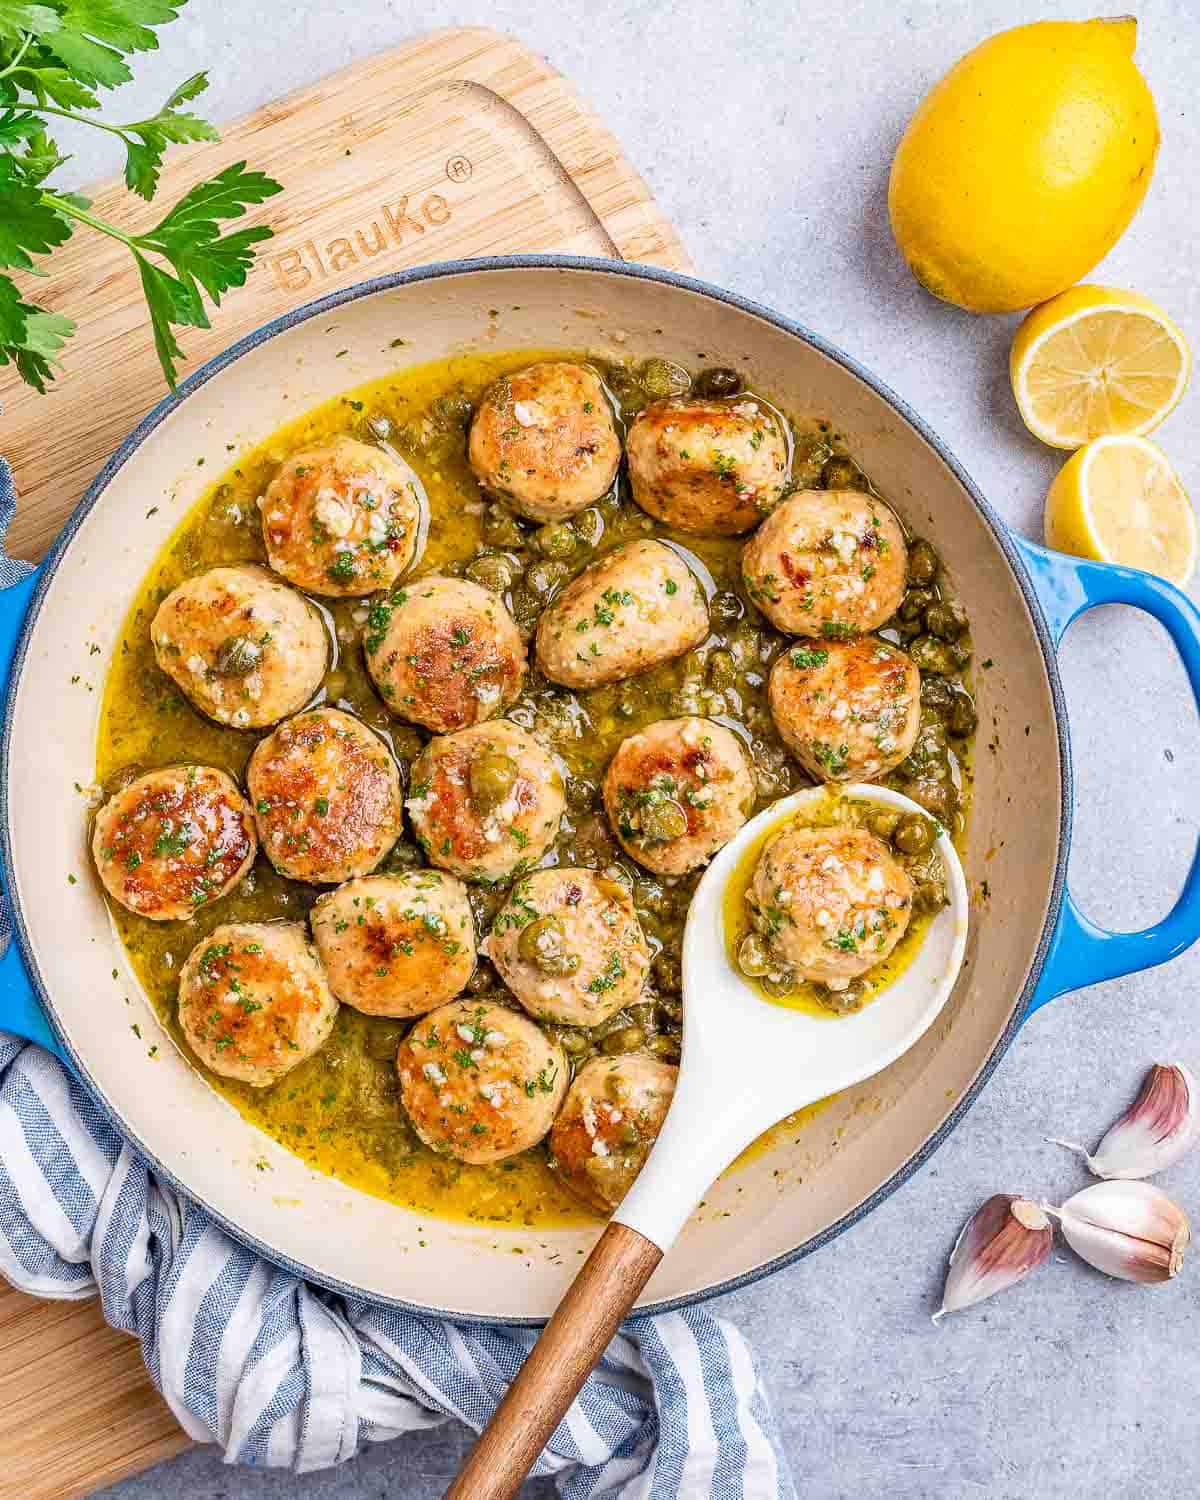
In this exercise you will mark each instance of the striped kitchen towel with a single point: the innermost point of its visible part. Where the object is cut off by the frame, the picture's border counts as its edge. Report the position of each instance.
(282, 1373)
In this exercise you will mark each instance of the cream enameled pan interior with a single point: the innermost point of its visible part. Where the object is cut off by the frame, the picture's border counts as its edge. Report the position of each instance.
(784, 1199)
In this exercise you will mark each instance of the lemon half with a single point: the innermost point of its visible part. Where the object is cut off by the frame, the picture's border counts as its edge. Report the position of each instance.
(1096, 361)
(1119, 500)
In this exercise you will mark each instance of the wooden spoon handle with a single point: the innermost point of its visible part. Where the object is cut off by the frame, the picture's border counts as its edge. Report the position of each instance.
(608, 1284)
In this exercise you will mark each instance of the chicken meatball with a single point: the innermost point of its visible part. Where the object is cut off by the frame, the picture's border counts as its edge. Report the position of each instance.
(326, 797)
(485, 802)
(715, 467)
(243, 647)
(635, 607)
(569, 946)
(253, 1000)
(612, 1115)
(174, 841)
(677, 792)
(827, 562)
(445, 653)
(544, 440)
(343, 519)
(480, 1081)
(847, 710)
(831, 903)
(396, 945)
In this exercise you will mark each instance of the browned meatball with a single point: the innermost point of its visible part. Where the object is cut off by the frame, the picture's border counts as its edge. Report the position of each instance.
(715, 467)
(545, 441)
(677, 792)
(635, 607)
(847, 710)
(831, 902)
(485, 802)
(173, 841)
(396, 945)
(445, 653)
(342, 520)
(326, 796)
(612, 1115)
(569, 945)
(479, 1081)
(253, 1001)
(827, 563)
(245, 649)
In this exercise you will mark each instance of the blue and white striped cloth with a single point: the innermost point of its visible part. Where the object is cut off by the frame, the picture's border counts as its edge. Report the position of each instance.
(282, 1373)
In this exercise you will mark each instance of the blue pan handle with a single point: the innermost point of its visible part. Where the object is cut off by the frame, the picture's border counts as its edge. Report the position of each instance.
(20, 1012)
(1080, 952)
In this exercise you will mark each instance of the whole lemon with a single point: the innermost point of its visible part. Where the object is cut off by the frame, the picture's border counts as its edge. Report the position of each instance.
(1023, 166)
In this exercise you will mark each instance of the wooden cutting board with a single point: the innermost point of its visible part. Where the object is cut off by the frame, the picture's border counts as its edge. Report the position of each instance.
(462, 143)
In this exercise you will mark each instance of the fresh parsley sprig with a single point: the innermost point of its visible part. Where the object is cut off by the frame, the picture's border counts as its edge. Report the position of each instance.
(55, 57)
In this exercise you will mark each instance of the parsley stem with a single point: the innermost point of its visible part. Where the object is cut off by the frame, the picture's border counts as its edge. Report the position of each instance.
(16, 62)
(70, 114)
(73, 211)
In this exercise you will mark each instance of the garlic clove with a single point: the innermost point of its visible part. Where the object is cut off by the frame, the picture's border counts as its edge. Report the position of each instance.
(1126, 1229)
(1161, 1125)
(1005, 1239)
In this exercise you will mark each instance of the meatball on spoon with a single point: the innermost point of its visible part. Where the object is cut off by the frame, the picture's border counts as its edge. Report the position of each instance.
(746, 1064)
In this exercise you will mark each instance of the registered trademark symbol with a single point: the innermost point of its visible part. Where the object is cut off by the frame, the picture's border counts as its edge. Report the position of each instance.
(458, 169)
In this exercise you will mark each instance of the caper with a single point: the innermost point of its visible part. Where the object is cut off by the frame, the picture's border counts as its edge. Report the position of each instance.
(542, 944)
(962, 718)
(946, 619)
(923, 563)
(753, 957)
(500, 528)
(555, 540)
(659, 378)
(643, 1013)
(574, 1043)
(661, 821)
(670, 1013)
(589, 525)
(722, 671)
(580, 793)
(929, 895)
(931, 655)
(937, 694)
(907, 630)
(913, 834)
(668, 972)
(483, 980)
(492, 777)
(882, 822)
(544, 577)
(403, 856)
(842, 1002)
(627, 1039)
(778, 985)
(627, 388)
(719, 380)
(526, 607)
(628, 1134)
(841, 474)
(937, 797)
(452, 413)
(810, 457)
(650, 896)
(238, 656)
(492, 571)
(961, 651)
(915, 603)
(666, 1047)
(725, 608)
(383, 1040)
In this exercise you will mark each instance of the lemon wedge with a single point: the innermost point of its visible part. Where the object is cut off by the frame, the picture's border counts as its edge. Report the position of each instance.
(1119, 500)
(1095, 361)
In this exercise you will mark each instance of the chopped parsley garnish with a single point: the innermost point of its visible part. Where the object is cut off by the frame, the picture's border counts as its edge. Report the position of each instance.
(805, 660)
(604, 982)
(342, 567)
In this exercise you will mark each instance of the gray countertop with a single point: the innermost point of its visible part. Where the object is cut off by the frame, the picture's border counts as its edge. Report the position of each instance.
(766, 129)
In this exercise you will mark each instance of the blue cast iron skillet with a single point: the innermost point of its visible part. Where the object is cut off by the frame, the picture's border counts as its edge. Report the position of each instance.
(1073, 951)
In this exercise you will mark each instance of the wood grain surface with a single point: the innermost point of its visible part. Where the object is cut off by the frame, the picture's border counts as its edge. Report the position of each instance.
(462, 143)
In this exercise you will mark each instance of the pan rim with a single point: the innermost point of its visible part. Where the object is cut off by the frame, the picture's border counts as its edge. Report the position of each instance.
(561, 263)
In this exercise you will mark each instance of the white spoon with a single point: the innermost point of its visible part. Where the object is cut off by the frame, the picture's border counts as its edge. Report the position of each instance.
(746, 1064)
